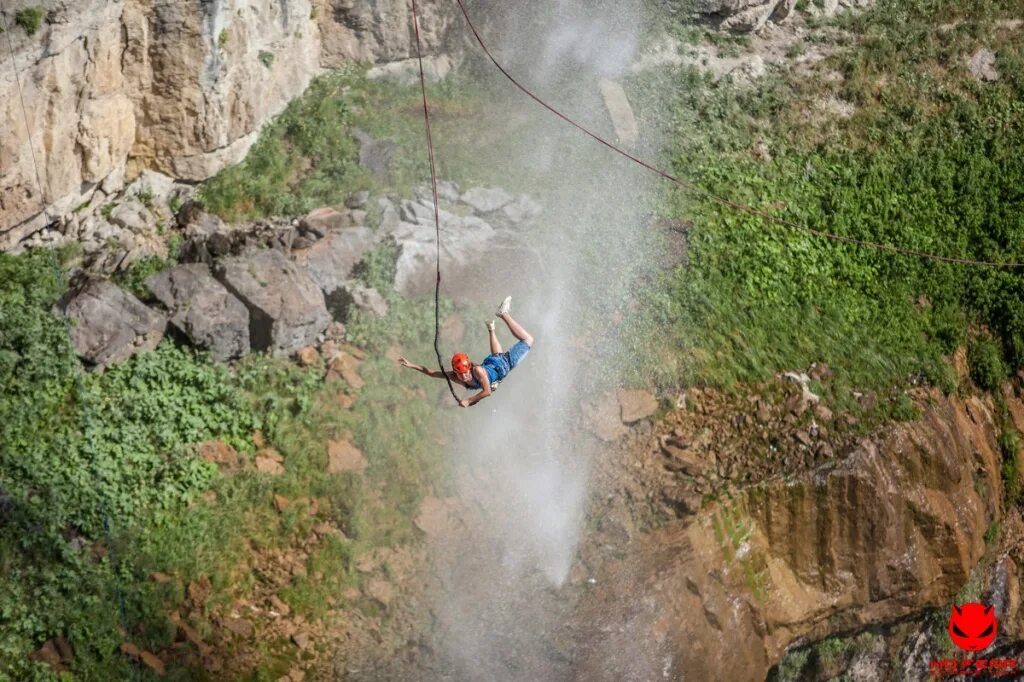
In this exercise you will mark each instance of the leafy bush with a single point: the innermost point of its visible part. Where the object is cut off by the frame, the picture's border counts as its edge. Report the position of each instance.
(266, 58)
(915, 167)
(119, 443)
(985, 358)
(133, 278)
(302, 160)
(1009, 445)
(30, 18)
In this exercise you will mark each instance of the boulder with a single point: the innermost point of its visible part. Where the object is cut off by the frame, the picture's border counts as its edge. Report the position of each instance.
(343, 457)
(620, 111)
(603, 418)
(345, 367)
(464, 243)
(268, 465)
(486, 200)
(56, 653)
(287, 310)
(219, 453)
(521, 210)
(133, 216)
(357, 200)
(374, 155)
(331, 260)
(389, 218)
(202, 309)
(681, 457)
(109, 325)
(352, 295)
(447, 190)
(407, 71)
(154, 185)
(636, 405)
(321, 221)
(982, 65)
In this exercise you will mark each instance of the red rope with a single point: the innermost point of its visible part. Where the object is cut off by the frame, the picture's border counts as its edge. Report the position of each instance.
(437, 215)
(719, 199)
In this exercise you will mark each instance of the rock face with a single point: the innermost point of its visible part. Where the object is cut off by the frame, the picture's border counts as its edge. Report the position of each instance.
(378, 31)
(203, 310)
(894, 528)
(175, 87)
(116, 87)
(416, 266)
(286, 307)
(330, 261)
(109, 325)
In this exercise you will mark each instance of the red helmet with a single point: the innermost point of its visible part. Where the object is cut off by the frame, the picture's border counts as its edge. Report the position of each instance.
(460, 362)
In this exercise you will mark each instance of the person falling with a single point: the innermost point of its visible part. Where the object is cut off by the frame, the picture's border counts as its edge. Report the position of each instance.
(495, 367)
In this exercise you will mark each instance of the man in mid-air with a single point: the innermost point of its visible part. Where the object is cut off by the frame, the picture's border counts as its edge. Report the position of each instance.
(495, 367)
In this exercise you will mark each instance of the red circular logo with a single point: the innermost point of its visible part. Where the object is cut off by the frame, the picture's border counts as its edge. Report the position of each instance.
(972, 627)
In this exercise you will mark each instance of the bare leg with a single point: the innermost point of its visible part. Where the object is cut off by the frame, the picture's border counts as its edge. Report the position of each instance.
(517, 330)
(495, 346)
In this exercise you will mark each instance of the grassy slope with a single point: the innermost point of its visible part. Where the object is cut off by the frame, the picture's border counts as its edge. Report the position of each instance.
(144, 417)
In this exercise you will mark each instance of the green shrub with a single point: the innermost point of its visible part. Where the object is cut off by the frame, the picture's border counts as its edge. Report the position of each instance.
(985, 358)
(266, 58)
(1009, 445)
(133, 278)
(30, 18)
(302, 160)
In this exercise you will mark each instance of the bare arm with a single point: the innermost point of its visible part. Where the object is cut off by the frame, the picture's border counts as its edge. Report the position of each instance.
(485, 387)
(432, 373)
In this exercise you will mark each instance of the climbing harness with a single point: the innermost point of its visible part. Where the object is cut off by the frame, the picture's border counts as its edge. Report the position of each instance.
(87, 429)
(735, 205)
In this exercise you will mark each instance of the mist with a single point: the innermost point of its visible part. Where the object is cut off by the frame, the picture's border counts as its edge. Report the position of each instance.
(522, 468)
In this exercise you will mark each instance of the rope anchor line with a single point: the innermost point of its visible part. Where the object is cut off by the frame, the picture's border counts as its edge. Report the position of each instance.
(437, 215)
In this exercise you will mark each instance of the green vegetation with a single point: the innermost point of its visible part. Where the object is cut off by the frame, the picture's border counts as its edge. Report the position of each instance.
(171, 511)
(791, 667)
(308, 157)
(304, 159)
(222, 39)
(266, 58)
(985, 359)
(1009, 446)
(928, 161)
(30, 18)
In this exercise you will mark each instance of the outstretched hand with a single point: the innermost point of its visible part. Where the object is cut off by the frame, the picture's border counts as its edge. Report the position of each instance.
(463, 403)
(404, 363)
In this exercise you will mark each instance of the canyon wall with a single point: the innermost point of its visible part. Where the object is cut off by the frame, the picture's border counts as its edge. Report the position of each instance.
(114, 87)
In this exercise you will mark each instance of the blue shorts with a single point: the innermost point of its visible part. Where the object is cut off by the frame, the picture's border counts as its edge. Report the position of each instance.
(503, 363)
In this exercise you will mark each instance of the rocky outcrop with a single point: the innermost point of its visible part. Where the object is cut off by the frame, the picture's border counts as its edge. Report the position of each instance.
(115, 88)
(272, 285)
(330, 260)
(378, 31)
(207, 76)
(745, 16)
(203, 310)
(109, 325)
(286, 307)
(894, 527)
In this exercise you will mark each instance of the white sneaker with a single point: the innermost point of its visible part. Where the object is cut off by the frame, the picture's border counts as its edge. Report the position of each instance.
(505, 306)
(490, 326)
